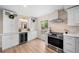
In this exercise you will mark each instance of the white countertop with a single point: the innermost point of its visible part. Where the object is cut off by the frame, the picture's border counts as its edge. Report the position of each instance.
(72, 34)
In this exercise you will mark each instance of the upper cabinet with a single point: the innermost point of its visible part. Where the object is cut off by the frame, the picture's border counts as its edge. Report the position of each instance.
(77, 15)
(73, 16)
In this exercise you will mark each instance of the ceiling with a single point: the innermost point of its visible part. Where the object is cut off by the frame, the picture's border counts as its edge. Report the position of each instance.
(32, 10)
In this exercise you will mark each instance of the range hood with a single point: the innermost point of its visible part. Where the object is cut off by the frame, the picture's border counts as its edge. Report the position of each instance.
(57, 20)
(59, 16)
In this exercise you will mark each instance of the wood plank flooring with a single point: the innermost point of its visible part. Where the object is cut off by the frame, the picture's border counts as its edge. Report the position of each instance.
(34, 46)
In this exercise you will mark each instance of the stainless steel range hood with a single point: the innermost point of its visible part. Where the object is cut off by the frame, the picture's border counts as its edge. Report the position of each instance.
(57, 20)
(59, 16)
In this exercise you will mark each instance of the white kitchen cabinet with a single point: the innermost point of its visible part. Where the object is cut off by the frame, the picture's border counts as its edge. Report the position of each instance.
(77, 44)
(77, 15)
(44, 36)
(32, 25)
(71, 44)
(32, 35)
(73, 16)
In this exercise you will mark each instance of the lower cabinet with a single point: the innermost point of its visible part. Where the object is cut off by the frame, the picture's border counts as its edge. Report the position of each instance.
(71, 44)
(32, 35)
(77, 45)
(22, 38)
(44, 37)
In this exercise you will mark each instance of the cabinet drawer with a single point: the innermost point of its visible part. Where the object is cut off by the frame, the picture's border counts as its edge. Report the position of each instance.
(68, 48)
(70, 44)
(69, 39)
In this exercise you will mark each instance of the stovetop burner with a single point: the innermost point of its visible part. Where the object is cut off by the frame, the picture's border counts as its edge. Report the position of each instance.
(56, 35)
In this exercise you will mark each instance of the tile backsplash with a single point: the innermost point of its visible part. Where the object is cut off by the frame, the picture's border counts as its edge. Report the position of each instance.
(58, 27)
(62, 27)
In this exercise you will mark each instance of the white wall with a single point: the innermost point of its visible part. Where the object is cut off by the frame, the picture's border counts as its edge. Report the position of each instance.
(10, 36)
(9, 40)
(9, 25)
(32, 34)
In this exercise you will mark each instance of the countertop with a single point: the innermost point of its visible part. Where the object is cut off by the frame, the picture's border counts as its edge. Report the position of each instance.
(72, 34)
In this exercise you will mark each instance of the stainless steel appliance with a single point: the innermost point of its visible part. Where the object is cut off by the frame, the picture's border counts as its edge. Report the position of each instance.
(55, 39)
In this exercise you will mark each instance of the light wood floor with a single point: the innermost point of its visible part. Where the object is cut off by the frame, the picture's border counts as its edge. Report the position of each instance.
(35, 46)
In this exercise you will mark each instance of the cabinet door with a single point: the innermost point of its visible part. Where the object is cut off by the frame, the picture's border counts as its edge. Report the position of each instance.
(71, 17)
(44, 37)
(32, 35)
(77, 44)
(68, 48)
(69, 44)
(29, 36)
(69, 39)
(77, 15)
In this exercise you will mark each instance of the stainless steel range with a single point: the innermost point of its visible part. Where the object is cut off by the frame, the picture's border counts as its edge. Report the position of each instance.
(55, 39)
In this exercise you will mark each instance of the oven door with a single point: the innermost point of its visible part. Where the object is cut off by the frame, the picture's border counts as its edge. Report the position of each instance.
(56, 42)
